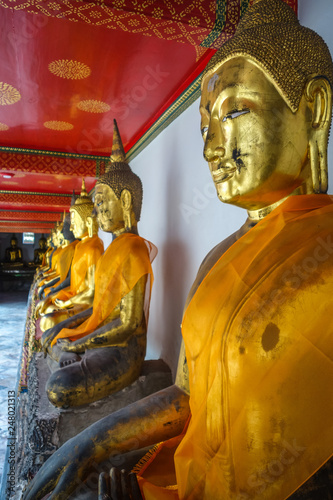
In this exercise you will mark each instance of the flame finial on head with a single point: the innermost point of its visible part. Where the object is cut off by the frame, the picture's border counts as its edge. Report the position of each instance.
(118, 153)
(83, 204)
(119, 175)
(73, 198)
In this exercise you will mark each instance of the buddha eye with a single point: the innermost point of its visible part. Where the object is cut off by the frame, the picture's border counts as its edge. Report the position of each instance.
(235, 114)
(204, 130)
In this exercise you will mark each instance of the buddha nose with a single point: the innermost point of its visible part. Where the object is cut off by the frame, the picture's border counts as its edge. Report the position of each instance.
(213, 149)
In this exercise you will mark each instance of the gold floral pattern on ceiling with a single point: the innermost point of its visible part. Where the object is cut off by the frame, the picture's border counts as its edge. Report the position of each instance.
(93, 106)
(8, 94)
(3, 127)
(67, 68)
(131, 16)
(58, 125)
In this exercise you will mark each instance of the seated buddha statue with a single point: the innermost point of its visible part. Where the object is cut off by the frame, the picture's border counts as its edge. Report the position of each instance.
(13, 254)
(77, 297)
(49, 265)
(40, 252)
(256, 325)
(59, 277)
(47, 257)
(101, 350)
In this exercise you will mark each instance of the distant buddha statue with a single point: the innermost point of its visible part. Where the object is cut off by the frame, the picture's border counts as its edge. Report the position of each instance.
(256, 325)
(50, 261)
(13, 254)
(58, 276)
(105, 353)
(80, 294)
(47, 255)
(39, 253)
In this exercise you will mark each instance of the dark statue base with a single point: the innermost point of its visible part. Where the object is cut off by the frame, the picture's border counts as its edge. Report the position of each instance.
(42, 428)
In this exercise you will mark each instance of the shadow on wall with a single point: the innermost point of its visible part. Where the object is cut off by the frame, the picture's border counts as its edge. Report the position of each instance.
(174, 262)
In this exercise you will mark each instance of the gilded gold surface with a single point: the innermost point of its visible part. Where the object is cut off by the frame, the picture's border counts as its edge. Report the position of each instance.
(118, 332)
(8, 94)
(264, 145)
(262, 39)
(58, 125)
(53, 311)
(3, 127)
(93, 106)
(247, 149)
(70, 69)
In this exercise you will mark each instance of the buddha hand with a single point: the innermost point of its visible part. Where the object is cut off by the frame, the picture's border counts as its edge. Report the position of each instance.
(63, 472)
(48, 336)
(119, 485)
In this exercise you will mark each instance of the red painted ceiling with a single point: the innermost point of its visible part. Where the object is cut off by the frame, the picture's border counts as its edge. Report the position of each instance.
(68, 67)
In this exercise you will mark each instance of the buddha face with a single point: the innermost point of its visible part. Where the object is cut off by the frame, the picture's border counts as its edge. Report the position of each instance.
(109, 210)
(256, 147)
(78, 225)
(13, 242)
(55, 237)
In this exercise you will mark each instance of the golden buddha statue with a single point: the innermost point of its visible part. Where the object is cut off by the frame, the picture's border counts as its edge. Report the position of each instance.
(77, 297)
(46, 262)
(59, 274)
(39, 253)
(53, 251)
(13, 254)
(256, 322)
(101, 350)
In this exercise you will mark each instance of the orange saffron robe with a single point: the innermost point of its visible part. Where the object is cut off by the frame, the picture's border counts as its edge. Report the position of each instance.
(87, 253)
(63, 264)
(259, 345)
(123, 263)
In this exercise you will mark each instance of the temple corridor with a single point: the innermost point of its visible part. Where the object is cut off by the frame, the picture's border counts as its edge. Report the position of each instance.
(12, 321)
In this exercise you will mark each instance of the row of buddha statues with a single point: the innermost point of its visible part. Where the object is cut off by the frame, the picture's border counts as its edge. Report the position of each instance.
(13, 254)
(250, 413)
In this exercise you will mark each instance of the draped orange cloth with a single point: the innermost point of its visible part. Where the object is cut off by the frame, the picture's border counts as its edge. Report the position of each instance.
(54, 263)
(63, 264)
(258, 337)
(124, 262)
(87, 253)
(46, 256)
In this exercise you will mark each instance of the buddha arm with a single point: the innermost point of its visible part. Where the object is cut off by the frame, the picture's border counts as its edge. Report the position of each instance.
(117, 329)
(155, 418)
(48, 284)
(62, 285)
(72, 322)
(84, 297)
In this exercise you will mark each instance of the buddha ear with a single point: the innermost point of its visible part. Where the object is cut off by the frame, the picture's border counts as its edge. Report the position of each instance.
(126, 203)
(319, 96)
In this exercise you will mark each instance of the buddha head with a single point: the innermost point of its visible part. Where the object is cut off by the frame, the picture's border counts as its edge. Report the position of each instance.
(79, 212)
(13, 241)
(118, 193)
(266, 109)
(42, 242)
(55, 234)
(65, 235)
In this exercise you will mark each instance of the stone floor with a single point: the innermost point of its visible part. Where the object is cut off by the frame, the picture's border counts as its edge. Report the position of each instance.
(12, 322)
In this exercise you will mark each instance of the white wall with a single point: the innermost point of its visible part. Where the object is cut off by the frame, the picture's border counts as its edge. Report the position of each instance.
(181, 213)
